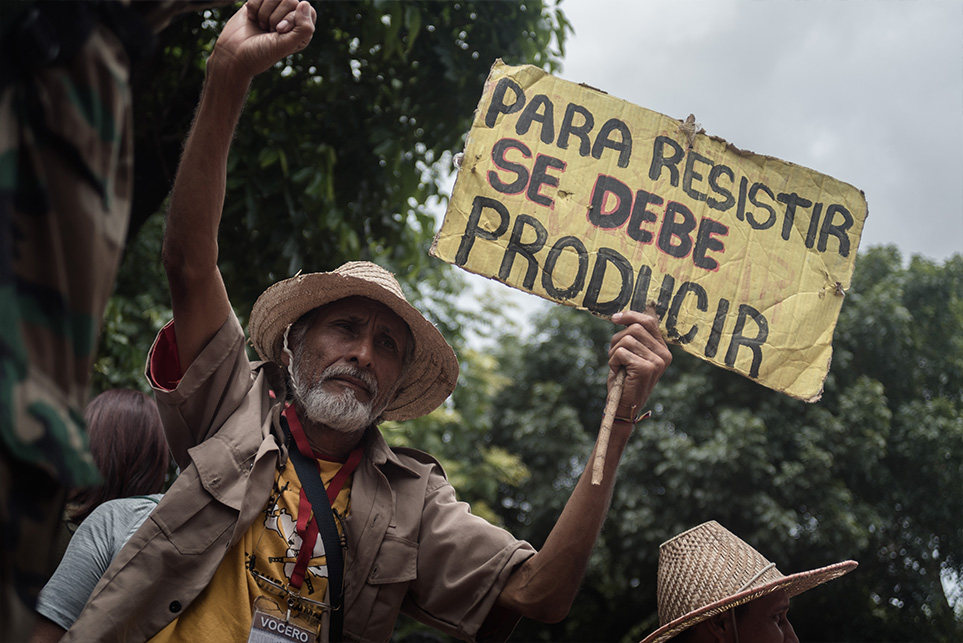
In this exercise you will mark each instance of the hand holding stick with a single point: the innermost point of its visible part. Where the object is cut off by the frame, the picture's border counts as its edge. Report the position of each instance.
(638, 356)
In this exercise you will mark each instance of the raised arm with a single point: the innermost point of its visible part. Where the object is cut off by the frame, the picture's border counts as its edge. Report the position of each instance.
(544, 587)
(257, 36)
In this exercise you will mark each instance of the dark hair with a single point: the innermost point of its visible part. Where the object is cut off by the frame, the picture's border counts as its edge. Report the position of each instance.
(128, 446)
(688, 634)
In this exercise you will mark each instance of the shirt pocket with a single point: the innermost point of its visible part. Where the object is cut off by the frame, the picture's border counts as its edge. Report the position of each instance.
(396, 562)
(191, 518)
(395, 568)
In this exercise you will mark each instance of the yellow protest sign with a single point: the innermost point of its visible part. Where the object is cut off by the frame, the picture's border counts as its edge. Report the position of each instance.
(590, 201)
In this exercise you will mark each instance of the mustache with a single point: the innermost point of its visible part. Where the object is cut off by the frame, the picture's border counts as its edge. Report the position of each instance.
(356, 372)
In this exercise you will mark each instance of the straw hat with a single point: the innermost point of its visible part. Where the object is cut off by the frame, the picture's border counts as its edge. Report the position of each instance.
(707, 570)
(427, 381)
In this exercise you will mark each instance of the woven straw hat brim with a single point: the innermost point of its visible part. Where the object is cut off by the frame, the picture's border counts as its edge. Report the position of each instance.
(793, 585)
(428, 380)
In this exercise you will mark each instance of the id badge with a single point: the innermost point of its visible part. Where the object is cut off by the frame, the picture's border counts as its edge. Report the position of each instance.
(271, 625)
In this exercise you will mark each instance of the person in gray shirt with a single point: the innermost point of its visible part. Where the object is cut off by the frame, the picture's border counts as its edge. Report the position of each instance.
(92, 547)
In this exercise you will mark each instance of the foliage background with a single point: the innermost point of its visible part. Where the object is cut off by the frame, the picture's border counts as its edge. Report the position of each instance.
(340, 155)
(872, 472)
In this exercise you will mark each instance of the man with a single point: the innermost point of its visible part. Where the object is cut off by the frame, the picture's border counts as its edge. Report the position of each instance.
(66, 161)
(233, 545)
(715, 588)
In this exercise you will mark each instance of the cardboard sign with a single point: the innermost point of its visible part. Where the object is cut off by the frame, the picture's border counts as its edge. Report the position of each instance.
(589, 201)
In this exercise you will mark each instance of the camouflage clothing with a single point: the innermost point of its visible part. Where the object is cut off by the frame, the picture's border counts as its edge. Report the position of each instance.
(66, 176)
(66, 145)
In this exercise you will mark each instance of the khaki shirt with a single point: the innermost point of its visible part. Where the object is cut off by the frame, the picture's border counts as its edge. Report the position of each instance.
(412, 547)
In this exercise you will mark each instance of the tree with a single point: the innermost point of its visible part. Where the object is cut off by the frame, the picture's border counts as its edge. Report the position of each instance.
(873, 472)
(335, 157)
(338, 155)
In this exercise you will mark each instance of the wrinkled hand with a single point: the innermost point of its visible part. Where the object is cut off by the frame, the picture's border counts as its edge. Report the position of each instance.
(640, 348)
(262, 33)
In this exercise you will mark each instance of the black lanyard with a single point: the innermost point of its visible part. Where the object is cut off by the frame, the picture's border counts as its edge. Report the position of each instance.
(313, 487)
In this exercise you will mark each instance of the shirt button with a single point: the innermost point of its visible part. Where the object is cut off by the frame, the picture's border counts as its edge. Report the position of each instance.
(175, 606)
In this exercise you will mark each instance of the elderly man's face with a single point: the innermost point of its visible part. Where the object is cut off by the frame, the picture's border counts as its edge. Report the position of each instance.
(765, 620)
(350, 362)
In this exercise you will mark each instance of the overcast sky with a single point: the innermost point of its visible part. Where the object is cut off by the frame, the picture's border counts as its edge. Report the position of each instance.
(867, 91)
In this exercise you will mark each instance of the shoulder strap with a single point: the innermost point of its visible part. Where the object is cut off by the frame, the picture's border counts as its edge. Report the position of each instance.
(313, 487)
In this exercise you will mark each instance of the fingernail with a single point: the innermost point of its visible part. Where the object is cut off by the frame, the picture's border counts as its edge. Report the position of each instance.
(284, 24)
(617, 317)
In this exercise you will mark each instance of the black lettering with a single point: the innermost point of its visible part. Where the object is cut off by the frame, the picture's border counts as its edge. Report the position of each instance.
(792, 201)
(665, 295)
(532, 113)
(540, 177)
(641, 294)
(581, 131)
(623, 147)
(605, 185)
(712, 346)
(706, 242)
(521, 172)
(473, 228)
(741, 207)
(605, 257)
(750, 215)
(673, 229)
(659, 160)
(517, 247)
(813, 225)
(548, 275)
(838, 231)
(728, 200)
(640, 216)
(691, 175)
(498, 104)
(702, 303)
(753, 343)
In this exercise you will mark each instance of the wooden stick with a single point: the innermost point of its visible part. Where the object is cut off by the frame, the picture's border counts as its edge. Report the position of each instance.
(611, 405)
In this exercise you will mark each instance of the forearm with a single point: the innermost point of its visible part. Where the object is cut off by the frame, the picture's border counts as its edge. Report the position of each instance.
(46, 631)
(544, 588)
(197, 198)
(253, 39)
(198, 297)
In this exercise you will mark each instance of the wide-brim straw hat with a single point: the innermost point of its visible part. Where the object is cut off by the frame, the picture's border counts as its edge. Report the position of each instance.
(708, 570)
(426, 382)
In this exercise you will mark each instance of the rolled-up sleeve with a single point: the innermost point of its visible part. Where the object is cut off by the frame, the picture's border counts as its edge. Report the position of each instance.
(211, 390)
(463, 564)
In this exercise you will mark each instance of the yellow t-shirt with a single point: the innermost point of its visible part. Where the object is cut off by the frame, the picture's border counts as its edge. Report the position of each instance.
(223, 611)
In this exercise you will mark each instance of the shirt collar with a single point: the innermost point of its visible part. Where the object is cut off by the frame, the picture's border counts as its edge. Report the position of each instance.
(380, 453)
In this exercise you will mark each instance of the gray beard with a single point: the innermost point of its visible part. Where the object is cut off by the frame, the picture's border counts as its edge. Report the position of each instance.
(342, 412)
